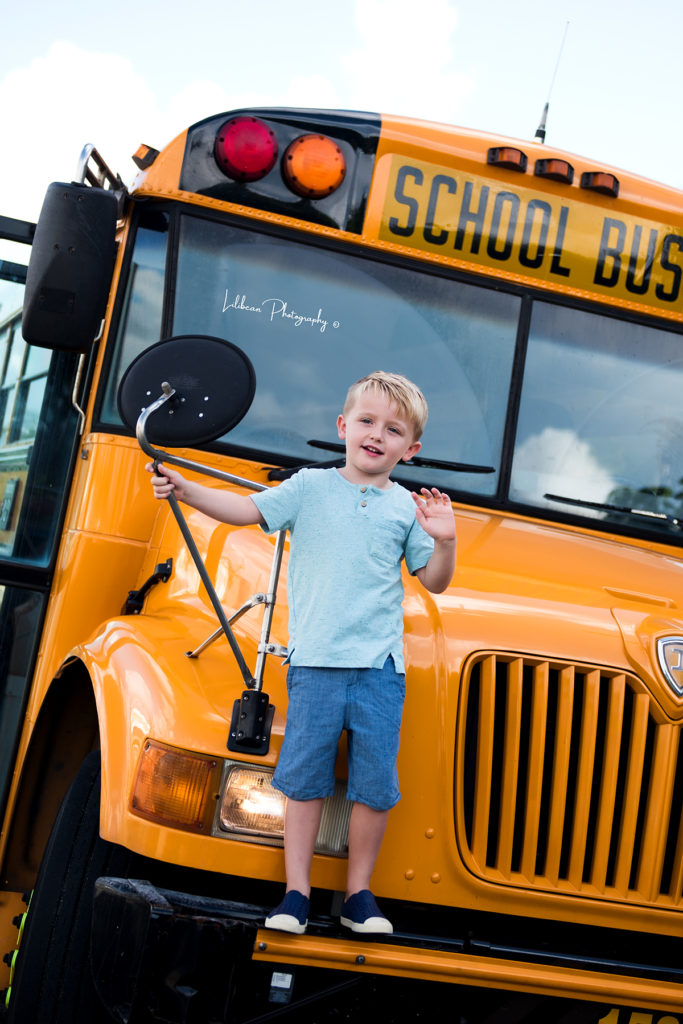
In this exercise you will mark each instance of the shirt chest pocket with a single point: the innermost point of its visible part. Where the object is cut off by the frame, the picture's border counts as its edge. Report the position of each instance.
(386, 543)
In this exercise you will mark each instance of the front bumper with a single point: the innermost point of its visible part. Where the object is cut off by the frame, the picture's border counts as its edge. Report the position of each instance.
(177, 958)
(165, 955)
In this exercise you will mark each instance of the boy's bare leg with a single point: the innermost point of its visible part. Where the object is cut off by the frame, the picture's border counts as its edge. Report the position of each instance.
(302, 821)
(366, 832)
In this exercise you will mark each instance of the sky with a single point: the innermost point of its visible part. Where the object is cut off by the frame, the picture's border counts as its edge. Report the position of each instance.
(118, 75)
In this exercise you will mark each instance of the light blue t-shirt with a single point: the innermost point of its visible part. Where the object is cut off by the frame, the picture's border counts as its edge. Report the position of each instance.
(344, 579)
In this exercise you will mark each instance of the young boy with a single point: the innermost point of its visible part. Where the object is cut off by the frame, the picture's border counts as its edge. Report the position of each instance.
(350, 528)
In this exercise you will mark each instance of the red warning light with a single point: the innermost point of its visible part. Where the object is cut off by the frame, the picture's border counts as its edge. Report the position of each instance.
(246, 148)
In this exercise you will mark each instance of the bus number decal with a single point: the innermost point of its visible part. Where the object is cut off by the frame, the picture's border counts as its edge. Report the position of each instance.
(617, 1016)
(571, 241)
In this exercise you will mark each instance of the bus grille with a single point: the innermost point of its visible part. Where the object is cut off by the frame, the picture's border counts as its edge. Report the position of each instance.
(569, 778)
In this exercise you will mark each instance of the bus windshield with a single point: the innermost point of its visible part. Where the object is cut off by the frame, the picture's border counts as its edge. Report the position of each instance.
(598, 425)
(600, 417)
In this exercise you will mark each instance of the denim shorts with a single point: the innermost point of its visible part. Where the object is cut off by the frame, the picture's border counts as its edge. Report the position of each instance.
(368, 703)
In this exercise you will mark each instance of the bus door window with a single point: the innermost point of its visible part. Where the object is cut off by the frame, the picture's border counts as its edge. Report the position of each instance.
(24, 372)
(141, 313)
(21, 613)
(37, 435)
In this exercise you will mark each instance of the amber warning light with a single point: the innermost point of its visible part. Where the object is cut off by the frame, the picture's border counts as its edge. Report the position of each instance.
(313, 166)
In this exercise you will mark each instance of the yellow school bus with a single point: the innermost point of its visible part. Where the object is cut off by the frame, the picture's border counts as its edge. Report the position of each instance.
(212, 316)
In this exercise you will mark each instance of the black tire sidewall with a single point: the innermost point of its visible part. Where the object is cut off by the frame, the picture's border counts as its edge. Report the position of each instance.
(53, 981)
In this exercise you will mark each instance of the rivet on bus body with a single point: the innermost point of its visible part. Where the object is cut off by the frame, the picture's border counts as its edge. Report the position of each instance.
(430, 833)
(436, 878)
(410, 874)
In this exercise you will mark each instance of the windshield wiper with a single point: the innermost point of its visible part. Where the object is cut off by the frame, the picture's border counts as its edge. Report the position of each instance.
(284, 474)
(458, 467)
(675, 523)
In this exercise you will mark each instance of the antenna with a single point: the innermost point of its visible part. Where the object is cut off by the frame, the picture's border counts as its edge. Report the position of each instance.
(540, 131)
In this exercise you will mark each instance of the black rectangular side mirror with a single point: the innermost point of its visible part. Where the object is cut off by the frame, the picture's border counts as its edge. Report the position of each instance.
(70, 268)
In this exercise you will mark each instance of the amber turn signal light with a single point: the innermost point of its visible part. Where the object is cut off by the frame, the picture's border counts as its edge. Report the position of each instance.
(176, 787)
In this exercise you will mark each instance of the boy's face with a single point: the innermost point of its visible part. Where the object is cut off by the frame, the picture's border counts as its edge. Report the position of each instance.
(377, 437)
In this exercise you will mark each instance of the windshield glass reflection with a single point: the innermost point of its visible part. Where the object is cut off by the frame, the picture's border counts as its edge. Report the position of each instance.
(600, 418)
(313, 321)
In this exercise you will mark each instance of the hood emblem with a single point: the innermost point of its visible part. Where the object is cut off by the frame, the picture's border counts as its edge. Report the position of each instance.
(670, 656)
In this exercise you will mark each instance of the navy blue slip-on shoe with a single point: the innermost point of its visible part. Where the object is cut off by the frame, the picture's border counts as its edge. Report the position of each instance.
(360, 913)
(291, 915)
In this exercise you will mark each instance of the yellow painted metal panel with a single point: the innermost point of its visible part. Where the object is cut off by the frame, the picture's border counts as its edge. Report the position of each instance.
(560, 778)
(608, 786)
(658, 810)
(634, 776)
(482, 799)
(584, 779)
(465, 969)
(539, 717)
(511, 758)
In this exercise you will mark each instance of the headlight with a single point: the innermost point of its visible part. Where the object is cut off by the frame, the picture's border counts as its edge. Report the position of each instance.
(185, 790)
(250, 805)
(252, 809)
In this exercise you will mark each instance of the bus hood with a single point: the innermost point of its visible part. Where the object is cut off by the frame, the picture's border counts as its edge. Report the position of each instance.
(557, 593)
(557, 564)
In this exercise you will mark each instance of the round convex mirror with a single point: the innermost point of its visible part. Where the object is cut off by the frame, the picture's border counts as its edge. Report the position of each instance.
(214, 384)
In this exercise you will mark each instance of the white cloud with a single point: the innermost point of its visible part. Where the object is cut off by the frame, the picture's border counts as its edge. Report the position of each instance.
(309, 91)
(198, 100)
(406, 61)
(558, 462)
(68, 98)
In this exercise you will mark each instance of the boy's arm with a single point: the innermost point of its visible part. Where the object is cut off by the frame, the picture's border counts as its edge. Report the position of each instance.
(434, 513)
(226, 507)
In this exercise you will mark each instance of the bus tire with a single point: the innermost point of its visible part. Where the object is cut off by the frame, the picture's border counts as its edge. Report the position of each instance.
(52, 982)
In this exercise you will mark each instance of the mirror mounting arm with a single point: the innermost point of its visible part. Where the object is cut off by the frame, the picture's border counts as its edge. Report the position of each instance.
(160, 456)
(215, 397)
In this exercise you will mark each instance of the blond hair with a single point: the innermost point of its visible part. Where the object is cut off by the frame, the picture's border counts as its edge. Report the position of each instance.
(405, 395)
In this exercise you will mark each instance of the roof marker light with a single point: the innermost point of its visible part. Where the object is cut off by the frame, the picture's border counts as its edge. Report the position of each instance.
(556, 170)
(313, 166)
(600, 181)
(506, 156)
(246, 148)
(144, 156)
